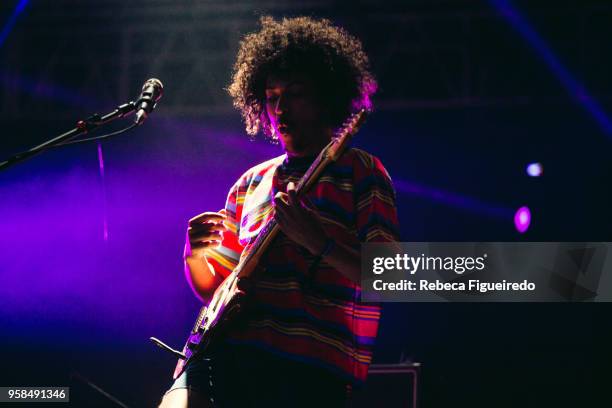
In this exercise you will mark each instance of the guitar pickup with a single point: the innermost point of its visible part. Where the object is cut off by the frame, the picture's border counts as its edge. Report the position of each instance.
(200, 320)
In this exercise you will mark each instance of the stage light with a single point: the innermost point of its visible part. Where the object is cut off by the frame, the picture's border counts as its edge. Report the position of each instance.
(576, 89)
(6, 30)
(522, 219)
(535, 169)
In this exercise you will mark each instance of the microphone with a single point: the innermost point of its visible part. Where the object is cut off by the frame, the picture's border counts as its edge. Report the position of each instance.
(152, 91)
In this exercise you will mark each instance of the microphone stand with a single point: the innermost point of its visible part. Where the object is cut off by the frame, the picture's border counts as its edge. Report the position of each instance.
(83, 126)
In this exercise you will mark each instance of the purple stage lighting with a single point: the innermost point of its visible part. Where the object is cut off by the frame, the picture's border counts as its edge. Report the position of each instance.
(535, 169)
(522, 219)
(453, 199)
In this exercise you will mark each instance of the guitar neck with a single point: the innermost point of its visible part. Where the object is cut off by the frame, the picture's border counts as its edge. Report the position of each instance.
(329, 154)
(271, 229)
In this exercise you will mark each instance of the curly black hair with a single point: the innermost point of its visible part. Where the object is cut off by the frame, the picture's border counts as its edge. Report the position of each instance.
(328, 54)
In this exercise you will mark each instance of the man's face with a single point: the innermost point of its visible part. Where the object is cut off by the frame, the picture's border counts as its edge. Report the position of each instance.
(295, 114)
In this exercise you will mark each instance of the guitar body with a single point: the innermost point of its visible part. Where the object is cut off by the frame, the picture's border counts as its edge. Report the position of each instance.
(232, 295)
(223, 308)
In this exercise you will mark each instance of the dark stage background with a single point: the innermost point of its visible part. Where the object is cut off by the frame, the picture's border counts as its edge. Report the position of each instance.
(470, 93)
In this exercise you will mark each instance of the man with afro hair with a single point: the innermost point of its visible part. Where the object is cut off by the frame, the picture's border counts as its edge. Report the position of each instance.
(305, 338)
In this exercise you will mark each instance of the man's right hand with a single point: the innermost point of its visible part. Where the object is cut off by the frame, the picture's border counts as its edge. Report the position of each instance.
(205, 232)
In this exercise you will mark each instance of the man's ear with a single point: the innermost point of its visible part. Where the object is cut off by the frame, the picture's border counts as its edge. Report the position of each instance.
(263, 123)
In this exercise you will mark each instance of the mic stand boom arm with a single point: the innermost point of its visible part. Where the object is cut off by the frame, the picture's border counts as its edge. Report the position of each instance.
(83, 126)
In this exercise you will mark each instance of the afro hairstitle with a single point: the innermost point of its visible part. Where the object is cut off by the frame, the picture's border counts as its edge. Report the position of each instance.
(329, 55)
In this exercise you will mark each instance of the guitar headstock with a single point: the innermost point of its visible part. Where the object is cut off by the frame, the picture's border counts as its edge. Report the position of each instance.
(349, 128)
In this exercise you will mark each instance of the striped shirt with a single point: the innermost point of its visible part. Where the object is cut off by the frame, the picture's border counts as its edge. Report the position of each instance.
(310, 316)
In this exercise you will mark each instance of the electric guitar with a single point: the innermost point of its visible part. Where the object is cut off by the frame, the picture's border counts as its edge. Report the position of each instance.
(230, 296)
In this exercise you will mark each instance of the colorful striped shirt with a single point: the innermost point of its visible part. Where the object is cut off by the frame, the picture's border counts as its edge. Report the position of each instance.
(310, 316)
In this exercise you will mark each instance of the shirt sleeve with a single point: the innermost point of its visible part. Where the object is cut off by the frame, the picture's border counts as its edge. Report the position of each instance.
(375, 201)
(225, 258)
